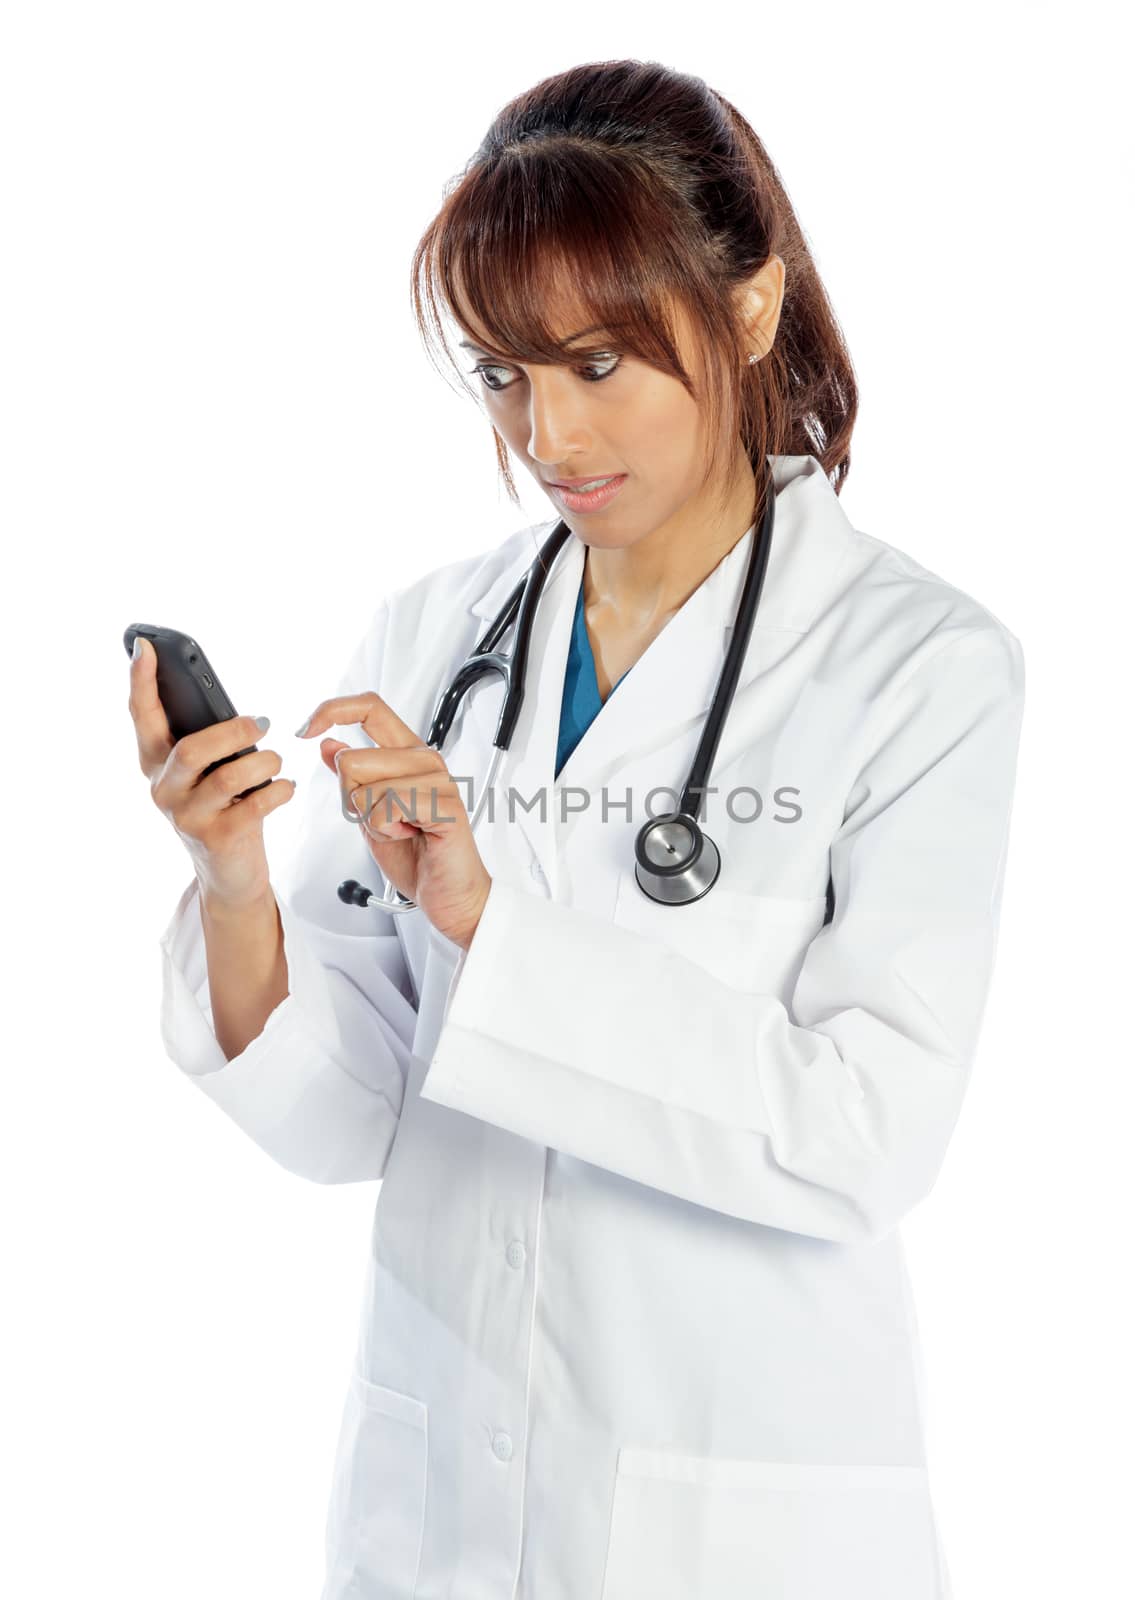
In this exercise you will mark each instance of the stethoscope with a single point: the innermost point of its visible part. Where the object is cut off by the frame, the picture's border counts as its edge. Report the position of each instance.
(676, 862)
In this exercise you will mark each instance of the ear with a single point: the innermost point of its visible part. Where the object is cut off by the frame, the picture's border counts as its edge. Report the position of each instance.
(761, 301)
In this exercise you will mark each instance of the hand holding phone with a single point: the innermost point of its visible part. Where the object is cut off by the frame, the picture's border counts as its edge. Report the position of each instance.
(199, 757)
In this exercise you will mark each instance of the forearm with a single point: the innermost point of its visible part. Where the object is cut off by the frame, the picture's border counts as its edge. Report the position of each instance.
(246, 966)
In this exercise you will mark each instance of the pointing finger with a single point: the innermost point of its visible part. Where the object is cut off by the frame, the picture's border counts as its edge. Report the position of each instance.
(368, 711)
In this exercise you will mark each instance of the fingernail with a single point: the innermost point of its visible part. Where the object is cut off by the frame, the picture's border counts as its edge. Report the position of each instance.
(262, 723)
(300, 731)
(137, 650)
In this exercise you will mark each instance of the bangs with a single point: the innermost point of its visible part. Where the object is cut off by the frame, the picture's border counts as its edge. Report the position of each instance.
(554, 250)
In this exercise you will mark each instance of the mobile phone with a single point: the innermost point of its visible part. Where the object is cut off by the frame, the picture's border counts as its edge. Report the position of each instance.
(190, 691)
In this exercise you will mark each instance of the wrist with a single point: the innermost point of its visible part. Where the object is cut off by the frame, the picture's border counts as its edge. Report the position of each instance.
(221, 908)
(468, 937)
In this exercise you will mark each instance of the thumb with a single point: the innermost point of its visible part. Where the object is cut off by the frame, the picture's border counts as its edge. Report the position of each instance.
(155, 740)
(329, 749)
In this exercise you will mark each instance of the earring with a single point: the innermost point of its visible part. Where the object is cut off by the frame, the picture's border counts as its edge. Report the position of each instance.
(753, 357)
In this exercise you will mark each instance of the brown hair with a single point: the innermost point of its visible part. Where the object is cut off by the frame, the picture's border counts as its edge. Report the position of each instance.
(637, 185)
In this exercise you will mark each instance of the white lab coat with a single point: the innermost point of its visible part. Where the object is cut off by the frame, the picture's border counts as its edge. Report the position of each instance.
(636, 1323)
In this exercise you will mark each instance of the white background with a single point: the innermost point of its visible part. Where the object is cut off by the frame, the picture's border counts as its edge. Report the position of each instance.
(217, 415)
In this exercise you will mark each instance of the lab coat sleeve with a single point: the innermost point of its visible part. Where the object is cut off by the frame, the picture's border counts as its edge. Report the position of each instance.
(320, 1088)
(829, 1115)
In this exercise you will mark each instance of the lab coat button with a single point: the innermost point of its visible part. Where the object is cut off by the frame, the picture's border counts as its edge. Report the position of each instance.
(514, 1255)
(536, 870)
(502, 1446)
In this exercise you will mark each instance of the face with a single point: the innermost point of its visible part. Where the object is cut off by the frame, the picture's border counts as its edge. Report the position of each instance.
(605, 415)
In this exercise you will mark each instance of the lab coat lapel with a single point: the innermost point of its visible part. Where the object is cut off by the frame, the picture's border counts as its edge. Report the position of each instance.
(529, 767)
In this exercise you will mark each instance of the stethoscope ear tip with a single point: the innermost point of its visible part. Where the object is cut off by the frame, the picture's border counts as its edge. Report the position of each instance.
(354, 893)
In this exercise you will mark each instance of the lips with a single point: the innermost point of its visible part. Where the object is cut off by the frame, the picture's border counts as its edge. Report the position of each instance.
(573, 483)
(584, 501)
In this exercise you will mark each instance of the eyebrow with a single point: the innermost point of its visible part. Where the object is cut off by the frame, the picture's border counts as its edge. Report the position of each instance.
(597, 327)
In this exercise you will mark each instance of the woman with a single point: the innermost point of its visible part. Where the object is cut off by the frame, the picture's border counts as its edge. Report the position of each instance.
(636, 1319)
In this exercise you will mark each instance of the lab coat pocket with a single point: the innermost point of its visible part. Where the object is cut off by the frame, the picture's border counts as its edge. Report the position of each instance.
(690, 1526)
(376, 1515)
(753, 942)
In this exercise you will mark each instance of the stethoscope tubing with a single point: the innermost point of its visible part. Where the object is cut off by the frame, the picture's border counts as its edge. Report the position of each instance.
(697, 869)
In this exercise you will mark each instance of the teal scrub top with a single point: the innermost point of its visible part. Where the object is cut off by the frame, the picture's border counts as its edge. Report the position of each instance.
(581, 703)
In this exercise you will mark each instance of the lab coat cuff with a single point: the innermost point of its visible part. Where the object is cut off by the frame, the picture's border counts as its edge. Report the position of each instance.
(536, 1015)
(285, 1088)
(482, 941)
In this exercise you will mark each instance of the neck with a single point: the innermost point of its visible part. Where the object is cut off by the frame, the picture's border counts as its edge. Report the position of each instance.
(648, 581)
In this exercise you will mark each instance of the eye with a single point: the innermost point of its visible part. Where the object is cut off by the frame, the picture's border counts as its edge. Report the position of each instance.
(483, 369)
(603, 366)
(609, 362)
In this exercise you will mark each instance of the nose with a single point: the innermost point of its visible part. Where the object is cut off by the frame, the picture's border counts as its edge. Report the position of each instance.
(557, 417)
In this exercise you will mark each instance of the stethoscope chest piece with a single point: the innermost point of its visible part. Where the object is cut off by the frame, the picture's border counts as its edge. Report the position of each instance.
(675, 862)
